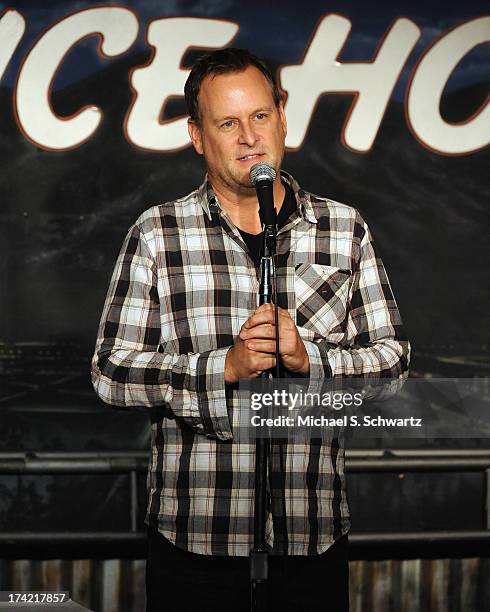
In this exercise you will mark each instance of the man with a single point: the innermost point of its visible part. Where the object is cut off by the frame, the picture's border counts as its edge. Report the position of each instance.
(180, 327)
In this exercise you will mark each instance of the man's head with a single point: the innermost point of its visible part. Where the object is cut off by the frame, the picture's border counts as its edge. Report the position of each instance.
(236, 116)
(223, 61)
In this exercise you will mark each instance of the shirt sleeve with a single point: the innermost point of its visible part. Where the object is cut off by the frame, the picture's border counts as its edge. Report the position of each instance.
(374, 345)
(127, 367)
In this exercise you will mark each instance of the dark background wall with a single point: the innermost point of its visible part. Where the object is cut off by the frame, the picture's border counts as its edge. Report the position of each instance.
(63, 216)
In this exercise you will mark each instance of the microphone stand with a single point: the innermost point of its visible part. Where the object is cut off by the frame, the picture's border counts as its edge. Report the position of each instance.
(259, 558)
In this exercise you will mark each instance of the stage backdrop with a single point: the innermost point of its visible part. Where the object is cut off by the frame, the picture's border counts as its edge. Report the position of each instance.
(388, 111)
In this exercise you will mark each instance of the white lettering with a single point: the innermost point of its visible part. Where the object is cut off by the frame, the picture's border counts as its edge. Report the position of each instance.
(427, 86)
(12, 28)
(118, 28)
(163, 78)
(321, 73)
(278, 421)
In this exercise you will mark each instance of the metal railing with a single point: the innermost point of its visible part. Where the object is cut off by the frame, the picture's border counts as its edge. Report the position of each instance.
(357, 461)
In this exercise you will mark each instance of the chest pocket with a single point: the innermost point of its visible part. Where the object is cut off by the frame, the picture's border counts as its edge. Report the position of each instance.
(321, 299)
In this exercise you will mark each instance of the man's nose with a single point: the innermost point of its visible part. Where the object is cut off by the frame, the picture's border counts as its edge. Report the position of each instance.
(247, 134)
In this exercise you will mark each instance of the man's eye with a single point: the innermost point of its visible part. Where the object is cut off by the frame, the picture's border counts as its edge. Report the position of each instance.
(260, 115)
(227, 124)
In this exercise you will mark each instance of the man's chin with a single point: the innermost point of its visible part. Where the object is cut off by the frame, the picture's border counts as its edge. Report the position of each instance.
(247, 186)
(243, 179)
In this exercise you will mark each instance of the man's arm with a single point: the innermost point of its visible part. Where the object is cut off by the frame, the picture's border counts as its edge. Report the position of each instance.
(374, 345)
(127, 367)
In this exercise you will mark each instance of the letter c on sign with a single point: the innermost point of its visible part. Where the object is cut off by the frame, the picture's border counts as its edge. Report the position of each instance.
(118, 28)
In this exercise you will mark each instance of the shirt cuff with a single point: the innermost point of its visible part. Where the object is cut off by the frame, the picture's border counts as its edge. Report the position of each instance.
(211, 394)
(319, 365)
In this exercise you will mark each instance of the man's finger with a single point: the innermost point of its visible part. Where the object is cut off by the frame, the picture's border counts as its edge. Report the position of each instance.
(261, 346)
(284, 313)
(265, 330)
(265, 307)
(259, 317)
(265, 314)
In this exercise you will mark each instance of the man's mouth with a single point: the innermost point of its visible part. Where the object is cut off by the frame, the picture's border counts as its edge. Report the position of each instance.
(250, 157)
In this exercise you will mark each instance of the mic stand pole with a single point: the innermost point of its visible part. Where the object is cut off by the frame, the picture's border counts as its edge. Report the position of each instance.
(259, 558)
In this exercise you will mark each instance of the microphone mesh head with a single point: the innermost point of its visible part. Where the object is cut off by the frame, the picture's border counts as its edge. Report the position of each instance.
(262, 172)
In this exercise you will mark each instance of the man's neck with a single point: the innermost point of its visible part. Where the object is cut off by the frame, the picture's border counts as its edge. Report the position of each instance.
(243, 208)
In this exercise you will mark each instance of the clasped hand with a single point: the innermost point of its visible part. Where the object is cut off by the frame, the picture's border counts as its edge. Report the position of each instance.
(254, 349)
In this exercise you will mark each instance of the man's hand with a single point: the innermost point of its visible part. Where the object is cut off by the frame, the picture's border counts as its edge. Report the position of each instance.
(254, 349)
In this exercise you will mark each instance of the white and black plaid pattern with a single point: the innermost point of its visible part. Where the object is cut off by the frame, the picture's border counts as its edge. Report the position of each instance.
(182, 287)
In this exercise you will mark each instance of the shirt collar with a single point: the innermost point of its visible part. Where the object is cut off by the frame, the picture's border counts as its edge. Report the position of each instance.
(305, 208)
(209, 202)
(206, 197)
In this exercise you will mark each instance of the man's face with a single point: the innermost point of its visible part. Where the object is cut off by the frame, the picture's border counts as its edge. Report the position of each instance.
(240, 126)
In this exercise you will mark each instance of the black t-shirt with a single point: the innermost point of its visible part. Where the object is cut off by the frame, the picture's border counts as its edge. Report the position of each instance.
(254, 241)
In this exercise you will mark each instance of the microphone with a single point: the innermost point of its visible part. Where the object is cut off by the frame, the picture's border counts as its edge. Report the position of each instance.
(262, 176)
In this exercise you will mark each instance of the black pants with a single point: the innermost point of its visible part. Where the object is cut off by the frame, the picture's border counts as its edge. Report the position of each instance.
(180, 581)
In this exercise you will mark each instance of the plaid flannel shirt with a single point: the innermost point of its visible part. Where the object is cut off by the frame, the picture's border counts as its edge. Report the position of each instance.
(182, 287)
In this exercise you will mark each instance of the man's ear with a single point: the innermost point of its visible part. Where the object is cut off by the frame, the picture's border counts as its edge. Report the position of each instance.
(282, 116)
(195, 135)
